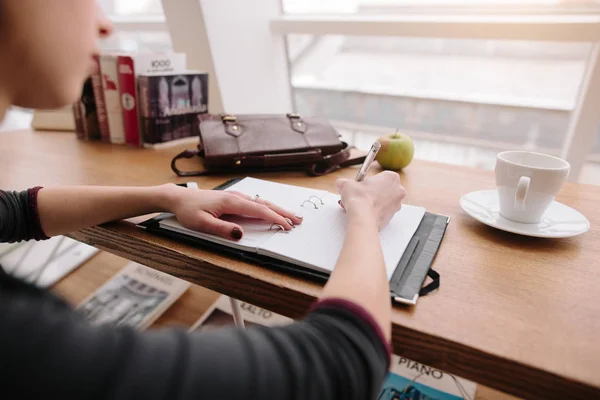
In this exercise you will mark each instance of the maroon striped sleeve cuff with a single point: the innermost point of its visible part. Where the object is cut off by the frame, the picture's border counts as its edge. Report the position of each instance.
(35, 225)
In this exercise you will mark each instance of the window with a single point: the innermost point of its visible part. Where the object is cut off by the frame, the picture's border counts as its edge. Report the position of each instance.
(138, 8)
(462, 100)
(496, 92)
(437, 6)
(139, 26)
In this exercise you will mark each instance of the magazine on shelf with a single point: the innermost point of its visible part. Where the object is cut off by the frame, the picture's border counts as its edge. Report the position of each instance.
(220, 314)
(410, 380)
(136, 296)
(44, 262)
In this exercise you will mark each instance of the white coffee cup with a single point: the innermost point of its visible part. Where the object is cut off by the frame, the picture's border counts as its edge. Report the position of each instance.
(528, 183)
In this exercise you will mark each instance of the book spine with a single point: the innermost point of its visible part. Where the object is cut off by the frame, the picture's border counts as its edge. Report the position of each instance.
(127, 90)
(89, 112)
(110, 84)
(144, 108)
(79, 127)
(156, 131)
(100, 103)
(144, 95)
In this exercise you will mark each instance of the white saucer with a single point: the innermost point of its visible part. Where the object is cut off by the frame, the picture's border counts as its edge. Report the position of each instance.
(559, 221)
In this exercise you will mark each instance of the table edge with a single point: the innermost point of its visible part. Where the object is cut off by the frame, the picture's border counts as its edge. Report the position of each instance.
(435, 351)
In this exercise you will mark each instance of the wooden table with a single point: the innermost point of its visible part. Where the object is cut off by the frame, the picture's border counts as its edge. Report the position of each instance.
(518, 314)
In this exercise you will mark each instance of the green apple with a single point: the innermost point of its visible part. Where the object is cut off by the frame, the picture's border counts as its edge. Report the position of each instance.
(397, 151)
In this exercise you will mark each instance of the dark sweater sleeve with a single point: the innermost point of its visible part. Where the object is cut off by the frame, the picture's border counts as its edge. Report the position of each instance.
(19, 218)
(336, 352)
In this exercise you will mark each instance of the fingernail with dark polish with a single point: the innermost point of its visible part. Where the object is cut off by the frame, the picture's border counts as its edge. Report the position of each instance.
(236, 234)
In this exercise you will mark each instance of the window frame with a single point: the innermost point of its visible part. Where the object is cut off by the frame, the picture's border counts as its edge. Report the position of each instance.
(214, 48)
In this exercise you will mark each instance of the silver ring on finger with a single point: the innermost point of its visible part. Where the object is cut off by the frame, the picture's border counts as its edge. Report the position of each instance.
(255, 198)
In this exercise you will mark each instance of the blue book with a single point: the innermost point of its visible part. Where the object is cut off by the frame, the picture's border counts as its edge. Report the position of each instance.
(410, 380)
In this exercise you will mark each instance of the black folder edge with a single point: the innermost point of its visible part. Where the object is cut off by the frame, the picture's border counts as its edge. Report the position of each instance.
(405, 284)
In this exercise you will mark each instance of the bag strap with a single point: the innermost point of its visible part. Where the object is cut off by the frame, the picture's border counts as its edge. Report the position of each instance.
(335, 161)
(433, 285)
(186, 154)
(328, 164)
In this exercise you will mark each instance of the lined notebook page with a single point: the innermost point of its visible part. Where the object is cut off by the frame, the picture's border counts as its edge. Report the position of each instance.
(287, 196)
(256, 231)
(317, 242)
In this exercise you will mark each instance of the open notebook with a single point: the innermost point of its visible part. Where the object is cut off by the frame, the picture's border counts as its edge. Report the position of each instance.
(313, 245)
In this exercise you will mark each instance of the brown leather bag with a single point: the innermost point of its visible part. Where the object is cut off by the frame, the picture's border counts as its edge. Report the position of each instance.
(243, 143)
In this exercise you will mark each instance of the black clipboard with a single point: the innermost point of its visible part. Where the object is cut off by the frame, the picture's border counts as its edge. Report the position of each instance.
(406, 284)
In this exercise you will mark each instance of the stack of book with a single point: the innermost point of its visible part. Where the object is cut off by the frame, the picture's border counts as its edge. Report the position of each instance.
(142, 100)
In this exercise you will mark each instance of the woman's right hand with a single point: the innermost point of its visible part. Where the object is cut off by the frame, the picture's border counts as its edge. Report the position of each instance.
(382, 194)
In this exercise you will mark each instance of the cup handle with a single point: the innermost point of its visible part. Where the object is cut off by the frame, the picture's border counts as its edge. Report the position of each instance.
(521, 195)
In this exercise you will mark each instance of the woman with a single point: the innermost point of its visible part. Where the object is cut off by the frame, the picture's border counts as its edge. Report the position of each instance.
(339, 350)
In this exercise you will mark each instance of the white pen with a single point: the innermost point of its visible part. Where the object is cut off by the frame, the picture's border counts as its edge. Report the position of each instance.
(362, 173)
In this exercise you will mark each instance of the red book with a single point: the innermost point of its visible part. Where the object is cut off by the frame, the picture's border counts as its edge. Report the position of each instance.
(127, 87)
(100, 103)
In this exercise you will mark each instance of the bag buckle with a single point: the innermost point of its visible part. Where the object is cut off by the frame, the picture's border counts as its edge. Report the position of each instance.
(228, 118)
(296, 122)
(231, 126)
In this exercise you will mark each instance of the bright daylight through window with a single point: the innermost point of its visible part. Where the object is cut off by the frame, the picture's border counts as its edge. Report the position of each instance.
(463, 100)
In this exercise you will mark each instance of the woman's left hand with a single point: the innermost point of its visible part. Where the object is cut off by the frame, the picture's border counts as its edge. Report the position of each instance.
(200, 210)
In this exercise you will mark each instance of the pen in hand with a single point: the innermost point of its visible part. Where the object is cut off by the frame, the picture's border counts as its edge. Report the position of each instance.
(362, 172)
